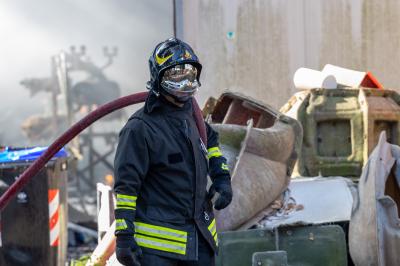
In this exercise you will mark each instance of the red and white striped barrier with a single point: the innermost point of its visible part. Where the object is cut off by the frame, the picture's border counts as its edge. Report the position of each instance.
(54, 221)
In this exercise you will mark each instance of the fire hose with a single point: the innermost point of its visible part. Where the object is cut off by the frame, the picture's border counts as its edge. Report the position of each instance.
(77, 128)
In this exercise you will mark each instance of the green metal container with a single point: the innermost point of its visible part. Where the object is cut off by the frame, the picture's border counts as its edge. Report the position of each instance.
(341, 127)
(302, 245)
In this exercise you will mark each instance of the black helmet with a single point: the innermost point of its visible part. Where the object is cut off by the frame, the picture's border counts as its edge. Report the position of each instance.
(173, 54)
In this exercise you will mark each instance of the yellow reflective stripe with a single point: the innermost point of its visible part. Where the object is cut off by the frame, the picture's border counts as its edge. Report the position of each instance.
(126, 204)
(146, 232)
(211, 225)
(212, 228)
(120, 224)
(160, 244)
(212, 149)
(214, 152)
(122, 196)
(160, 231)
(126, 200)
(125, 208)
(224, 166)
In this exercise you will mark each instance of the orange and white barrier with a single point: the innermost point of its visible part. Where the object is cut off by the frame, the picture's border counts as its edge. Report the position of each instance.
(54, 221)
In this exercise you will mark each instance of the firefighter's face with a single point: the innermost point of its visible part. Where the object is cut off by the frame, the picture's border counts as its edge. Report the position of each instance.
(181, 81)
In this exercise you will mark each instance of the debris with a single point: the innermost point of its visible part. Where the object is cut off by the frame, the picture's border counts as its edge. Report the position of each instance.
(352, 78)
(306, 78)
(312, 201)
(355, 115)
(374, 234)
(252, 135)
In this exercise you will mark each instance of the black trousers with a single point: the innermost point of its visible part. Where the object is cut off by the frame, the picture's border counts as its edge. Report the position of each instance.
(206, 257)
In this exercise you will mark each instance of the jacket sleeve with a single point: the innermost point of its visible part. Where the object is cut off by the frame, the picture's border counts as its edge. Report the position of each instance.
(130, 168)
(218, 168)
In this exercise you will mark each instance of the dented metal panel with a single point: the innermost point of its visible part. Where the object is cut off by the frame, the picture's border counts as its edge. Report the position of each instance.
(374, 233)
(318, 201)
(261, 146)
(341, 127)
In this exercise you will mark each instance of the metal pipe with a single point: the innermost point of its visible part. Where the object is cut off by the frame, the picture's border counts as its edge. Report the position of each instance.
(77, 128)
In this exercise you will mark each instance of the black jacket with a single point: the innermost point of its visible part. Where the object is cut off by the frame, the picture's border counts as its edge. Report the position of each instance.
(161, 169)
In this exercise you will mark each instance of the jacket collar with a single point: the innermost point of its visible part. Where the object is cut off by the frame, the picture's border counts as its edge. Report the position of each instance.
(160, 104)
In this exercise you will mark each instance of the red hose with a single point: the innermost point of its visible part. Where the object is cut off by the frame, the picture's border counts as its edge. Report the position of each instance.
(81, 125)
(201, 126)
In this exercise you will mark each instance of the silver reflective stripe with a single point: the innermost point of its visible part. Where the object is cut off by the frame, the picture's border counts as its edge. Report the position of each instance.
(160, 231)
(160, 244)
(120, 224)
(122, 196)
(126, 200)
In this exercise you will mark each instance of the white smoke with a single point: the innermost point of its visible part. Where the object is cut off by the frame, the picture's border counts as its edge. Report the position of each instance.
(32, 31)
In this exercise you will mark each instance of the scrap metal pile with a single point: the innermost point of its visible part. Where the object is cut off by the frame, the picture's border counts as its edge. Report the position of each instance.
(298, 195)
(343, 123)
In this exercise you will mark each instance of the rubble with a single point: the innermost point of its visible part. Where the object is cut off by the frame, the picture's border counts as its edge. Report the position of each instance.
(252, 135)
(374, 234)
(356, 115)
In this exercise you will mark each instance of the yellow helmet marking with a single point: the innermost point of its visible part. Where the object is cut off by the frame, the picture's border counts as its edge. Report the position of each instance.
(187, 55)
(162, 60)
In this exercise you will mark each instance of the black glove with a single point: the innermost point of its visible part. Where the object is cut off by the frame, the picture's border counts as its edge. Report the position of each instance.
(127, 251)
(223, 186)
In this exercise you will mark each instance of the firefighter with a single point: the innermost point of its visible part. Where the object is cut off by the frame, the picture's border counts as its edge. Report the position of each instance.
(164, 213)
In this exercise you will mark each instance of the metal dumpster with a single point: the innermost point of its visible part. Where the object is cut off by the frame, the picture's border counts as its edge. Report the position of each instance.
(34, 224)
(300, 245)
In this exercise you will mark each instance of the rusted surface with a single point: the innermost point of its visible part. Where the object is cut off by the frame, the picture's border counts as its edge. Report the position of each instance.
(261, 146)
(374, 234)
(357, 116)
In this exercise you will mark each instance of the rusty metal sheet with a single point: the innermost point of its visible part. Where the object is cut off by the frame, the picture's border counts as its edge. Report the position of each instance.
(374, 233)
(261, 146)
(356, 115)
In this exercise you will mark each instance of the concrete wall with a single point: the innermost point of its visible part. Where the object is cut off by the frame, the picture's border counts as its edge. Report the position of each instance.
(255, 46)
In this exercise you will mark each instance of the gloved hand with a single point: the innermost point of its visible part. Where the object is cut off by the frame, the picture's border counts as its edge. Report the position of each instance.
(127, 251)
(223, 186)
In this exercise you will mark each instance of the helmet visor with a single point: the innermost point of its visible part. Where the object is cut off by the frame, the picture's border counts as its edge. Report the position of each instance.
(181, 81)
